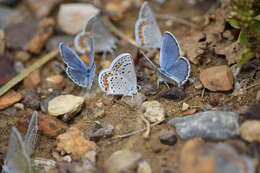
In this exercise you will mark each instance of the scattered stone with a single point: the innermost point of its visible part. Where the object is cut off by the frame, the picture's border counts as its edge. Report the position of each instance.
(189, 112)
(44, 103)
(217, 78)
(32, 80)
(250, 131)
(153, 111)
(2, 41)
(48, 125)
(46, 165)
(230, 50)
(123, 161)
(42, 8)
(73, 142)
(99, 114)
(104, 132)
(7, 71)
(19, 106)
(44, 31)
(217, 158)
(10, 98)
(55, 79)
(19, 34)
(198, 85)
(22, 56)
(54, 41)
(135, 101)
(65, 104)
(31, 99)
(144, 167)
(73, 16)
(214, 125)
(108, 99)
(168, 139)
(173, 94)
(185, 107)
(18, 66)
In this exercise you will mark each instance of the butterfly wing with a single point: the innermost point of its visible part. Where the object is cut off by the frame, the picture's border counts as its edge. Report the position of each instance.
(80, 42)
(17, 159)
(147, 32)
(171, 63)
(31, 134)
(120, 78)
(76, 69)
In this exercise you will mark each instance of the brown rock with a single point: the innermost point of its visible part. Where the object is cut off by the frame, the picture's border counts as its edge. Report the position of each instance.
(44, 31)
(250, 131)
(7, 71)
(55, 79)
(217, 78)
(48, 125)
(31, 99)
(189, 112)
(116, 10)
(10, 98)
(32, 80)
(74, 143)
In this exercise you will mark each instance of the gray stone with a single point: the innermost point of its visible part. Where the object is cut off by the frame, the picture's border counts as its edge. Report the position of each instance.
(214, 125)
(104, 132)
(53, 42)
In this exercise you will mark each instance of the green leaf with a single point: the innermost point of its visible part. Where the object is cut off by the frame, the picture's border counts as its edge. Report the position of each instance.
(245, 55)
(242, 39)
(233, 23)
(257, 17)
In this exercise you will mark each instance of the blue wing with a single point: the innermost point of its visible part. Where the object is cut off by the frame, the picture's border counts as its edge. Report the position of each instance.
(169, 53)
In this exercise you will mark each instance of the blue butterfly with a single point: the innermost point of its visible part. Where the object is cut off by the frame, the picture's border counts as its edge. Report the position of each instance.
(77, 70)
(174, 68)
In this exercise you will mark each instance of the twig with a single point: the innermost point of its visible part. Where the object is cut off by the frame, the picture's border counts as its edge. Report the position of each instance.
(252, 86)
(23, 74)
(176, 19)
(136, 132)
(148, 127)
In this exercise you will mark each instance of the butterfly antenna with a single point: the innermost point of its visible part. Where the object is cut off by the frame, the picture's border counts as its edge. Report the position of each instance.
(148, 59)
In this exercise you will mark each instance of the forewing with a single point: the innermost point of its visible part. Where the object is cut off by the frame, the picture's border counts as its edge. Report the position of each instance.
(169, 53)
(17, 160)
(31, 134)
(81, 42)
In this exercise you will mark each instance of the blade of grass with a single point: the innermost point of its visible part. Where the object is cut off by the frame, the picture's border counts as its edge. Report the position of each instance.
(23, 74)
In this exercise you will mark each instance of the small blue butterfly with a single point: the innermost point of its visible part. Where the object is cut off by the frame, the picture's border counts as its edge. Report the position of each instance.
(77, 70)
(174, 68)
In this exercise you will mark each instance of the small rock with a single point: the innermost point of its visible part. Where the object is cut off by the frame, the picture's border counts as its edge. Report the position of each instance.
(189, 112)
(99, 114)
(44, 31)
(214, 125)
(18, 66)
(2, 41)
(144, 167)
(10, 98)
(108, 99)
(32, 80)
(31, 99)
(19, 106)
(42, 8)
(218, 78)
(55, 79)
(44, 103)
(7, 71)
(73, 16)
(123, 161)
(22, 56)
(153, 111)
(135, 101)
(198, 85)
(185, 107)
(168, 139)
(217, 158)
(48, 125)
(73, 142)
(105, 132)
(64, 104)
(54, 41)
(250, 131)
(173, 94)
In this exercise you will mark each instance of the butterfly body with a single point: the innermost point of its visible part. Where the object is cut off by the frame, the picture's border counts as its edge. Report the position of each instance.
(77, 70)
(147, 32)
(120, 78)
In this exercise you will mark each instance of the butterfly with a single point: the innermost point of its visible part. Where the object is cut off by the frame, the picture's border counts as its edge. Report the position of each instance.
(17, 159)
(120, 78)
(174, 68)
(77, 70)
(103, 40)
(147, 32)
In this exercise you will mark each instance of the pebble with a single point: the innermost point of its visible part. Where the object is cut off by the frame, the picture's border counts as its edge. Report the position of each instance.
(7, 71)
(213, 158)
(73, 142)
(185, 107)
(104, 132)
(48, 125)
(250, 131)
(168, 139)
(31, 99)
(153, 111)
(189, 112)
(124, 161)
(217, 78)
(144, 167)
(32, 80)
(22, 56)
(65, 104)
(173, 94)
(44, 31)
(55, 79)
(10, 98)
(18, 66)
(108, 99)
(100, 113)
(135, 101)
(45, 101)
(214, 125)
(198, 85)
(2, 41)
(73, 16)
(54, 41)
